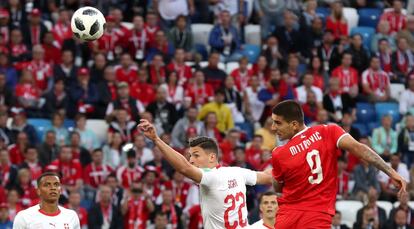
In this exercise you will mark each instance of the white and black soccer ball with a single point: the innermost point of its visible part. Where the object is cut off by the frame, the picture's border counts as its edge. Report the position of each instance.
(88, 23)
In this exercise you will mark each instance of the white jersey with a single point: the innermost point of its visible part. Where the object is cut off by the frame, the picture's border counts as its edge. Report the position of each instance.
(223, 196)
(259, 225)
(34, 218)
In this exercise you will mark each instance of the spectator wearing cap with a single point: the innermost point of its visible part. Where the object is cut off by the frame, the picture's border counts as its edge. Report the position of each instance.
(406, 101)
(408, 33)
(395, 17)
(67, 69)
(224, 39)
(224, 116)
(9, 171)
(9, 71)
(18, 50)
(137, 39)
(5, 222)
(40, 69)
(375, 82)
(83, 95)
(164, 112)
(402, 60)
(35, 30)
(110, 42)
(179, 132)
(56, 100)
(213, 74)
(19, 124)
(133, 106)
(131, 171)
(329, 52)
(406, 141)
(4, 26)
(127, 70)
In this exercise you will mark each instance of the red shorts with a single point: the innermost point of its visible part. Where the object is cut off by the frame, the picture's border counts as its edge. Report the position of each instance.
(295, 219)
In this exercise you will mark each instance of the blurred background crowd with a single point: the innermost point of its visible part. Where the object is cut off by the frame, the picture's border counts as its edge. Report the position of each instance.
(199, 67)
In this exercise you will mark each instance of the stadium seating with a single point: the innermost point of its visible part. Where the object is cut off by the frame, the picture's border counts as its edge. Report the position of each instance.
(396, 89)
(48, 24)
(202, 50)
(411, 204)
(351, 16)
(323, 11)
(366, 32)
(201, 33)
(127, 25)
(252, 34)
(392, 109)
(252, 52)
(221, 65)
(99, 127)
(365, 112)
(231, 66)
(348, 209)
(369, 17)
(363, 129)
(386, 205)
(69, 123)
(41, 125)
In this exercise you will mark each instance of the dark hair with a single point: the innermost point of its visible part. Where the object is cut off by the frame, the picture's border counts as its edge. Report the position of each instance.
(131, 153)
(29, 147)
(337, 212)
(220, 91)
(268, 193)
(290, 110)
(97, 150)
(206, 143)
(46, 174)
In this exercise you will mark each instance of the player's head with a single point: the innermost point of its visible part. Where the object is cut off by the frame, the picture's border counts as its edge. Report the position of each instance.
(203, 152)
(49, 187)
(268, 204)
(287, 119)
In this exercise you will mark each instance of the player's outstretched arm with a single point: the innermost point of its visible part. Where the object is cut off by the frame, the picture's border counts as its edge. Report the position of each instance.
(264, 177)
(178, 161)
(363, 152)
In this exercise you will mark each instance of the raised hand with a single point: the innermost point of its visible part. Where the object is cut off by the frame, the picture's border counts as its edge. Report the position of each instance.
(148, 129)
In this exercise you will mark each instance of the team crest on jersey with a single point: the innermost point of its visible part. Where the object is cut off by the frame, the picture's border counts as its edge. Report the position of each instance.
(66, 225)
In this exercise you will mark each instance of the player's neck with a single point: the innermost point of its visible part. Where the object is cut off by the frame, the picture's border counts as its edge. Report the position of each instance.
(212, 166)
(49, 208)
(269, 222)
(303, 127)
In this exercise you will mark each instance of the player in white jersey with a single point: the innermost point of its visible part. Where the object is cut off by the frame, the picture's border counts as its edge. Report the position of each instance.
(47, 214)
(268, 208)
(222, 189)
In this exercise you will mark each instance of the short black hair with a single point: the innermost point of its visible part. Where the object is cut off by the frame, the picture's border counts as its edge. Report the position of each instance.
(206, 143)
(268, 193)
(290, 110)
(46, 174)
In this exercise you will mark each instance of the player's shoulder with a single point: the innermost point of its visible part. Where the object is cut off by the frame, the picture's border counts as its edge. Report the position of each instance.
(28, 211)
(67, 211)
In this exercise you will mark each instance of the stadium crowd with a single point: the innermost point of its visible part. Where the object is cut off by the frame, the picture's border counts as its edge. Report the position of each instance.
(72, 107)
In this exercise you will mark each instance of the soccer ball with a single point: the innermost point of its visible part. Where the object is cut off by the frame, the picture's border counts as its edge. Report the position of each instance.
(88, 23)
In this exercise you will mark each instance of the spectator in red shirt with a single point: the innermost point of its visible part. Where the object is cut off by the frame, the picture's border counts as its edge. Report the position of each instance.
(151, 27)
(74, 204)
(178, 65)
(138, 39)
(32, 163)
(385, 55)
(29, 196)
(336, 22)
(242, 74)
(199, 91)
(175, 92)
(117, 15)
(347, 75)
(142, 89)
(13, 202)
(161, 46)
(402, 60)
(69, 168)
(28, 94)
(16, 150)
(261, 70)
(311, 107)
(40, 69)
(395, 17)
(96, 172)
(8, 171)
(343, 180)
(375, 82)
(126, 71)
(137, 207)
(52, 53)
(4, 27)
(170, 208)
(157, 70)
(228, 146)
(316, 68)
(254, 152)
(110, 42)
(131, 171)
(61, 30)
(180, 189)
(18, 50)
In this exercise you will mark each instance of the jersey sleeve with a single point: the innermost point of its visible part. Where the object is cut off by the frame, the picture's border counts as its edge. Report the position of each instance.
(75, 221)
(19, 222)
(250, 176)
(208, 178)
(336, 133)
(276, 171)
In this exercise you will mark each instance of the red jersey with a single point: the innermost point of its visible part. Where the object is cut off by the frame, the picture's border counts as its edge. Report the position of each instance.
(339, 28)
(126, 175)
(35, 170)
(254, 157)
(71, 171)
(96, 175)
(378, 81)
(82, 214)
(61, 32)
(27, 91)
(129, 75)
(242, 79)
(157, 76)
(199, 95)
(184, 72)
(396, 21)
(15, 154)
(179, 192)
(307, 166)
(144, 92)
(136, 43)
(343, 187)
(137, 214)
(347, 77)
(29, 197)
(41, 72)
(52, 54)
(150, 32)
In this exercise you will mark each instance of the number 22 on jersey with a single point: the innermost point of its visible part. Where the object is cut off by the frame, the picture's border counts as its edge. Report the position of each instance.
(233, 200)
(314, 162)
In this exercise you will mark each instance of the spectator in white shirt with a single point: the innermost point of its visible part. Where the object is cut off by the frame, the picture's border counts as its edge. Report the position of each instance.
(407, 97)
(307, 86)
(388, 191)
(268, 208)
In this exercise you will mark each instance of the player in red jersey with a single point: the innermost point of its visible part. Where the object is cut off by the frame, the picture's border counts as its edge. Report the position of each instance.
(305, 168)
